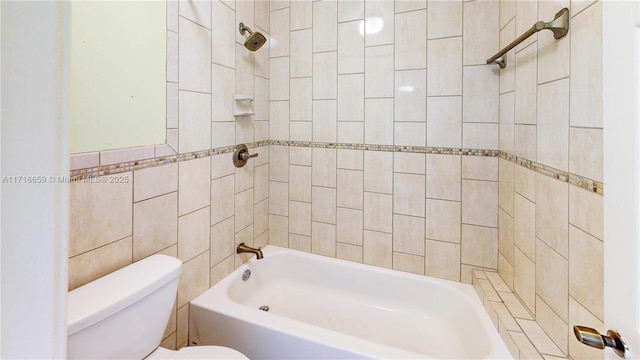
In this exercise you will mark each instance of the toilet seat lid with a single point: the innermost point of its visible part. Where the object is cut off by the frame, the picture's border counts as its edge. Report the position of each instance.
(207, 352)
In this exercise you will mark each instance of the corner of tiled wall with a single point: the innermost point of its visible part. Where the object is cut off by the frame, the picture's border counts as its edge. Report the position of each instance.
(550, 226)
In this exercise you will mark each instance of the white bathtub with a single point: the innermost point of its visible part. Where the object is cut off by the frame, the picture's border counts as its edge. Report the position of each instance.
(324, 308)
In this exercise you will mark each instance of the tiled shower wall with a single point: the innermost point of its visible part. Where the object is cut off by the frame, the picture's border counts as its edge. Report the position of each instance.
(195, 205)
(368, 122)
(551, 232)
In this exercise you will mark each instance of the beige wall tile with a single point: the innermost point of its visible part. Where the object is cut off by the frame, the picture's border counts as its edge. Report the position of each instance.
(586, 270)
(194, 118)
(350, 191)
(193, 234)
(155, 225)
(378, 118)
(194, 279)
(323, 207)
(553, 124)
(410, 31)
(506, 175)
(99, 214)
(505, 235)
(378, 210)
(538, 338)
(169, 342)
(525, 182)
(154, 181)
(351, 94)
(444, 72)
(408, 234)
(350, 48)
(410, 94)
(525, 225)
(585, 153)
(480, 96)
(278, 230)
(193, 185)
(524, 279)
(480, 246)
(480, 202)
(505, 269)
(325, 32)
(586, 67)
(222, 269)
(195, 56)
(350, 10)
(300, 218)
(301, 98)
(409, 194)
(301, 14)
(279, 163)
(552, 215)
(378, 72)
(382, 9)
(443, 220)
(444, 125)
(278, 78)
(323, 172)
(94, 264)
(278, 198)
(525, 147)
(300, 183)
(222, 240)
(222, 191)
(578, 315)
(299, 242)
(349, 226)
(377, 249)
(479, 135)
(586, 211)
(244, 176)
(526, 84)
(325, 76)
(260, 183)
(378, 172)
(478, 42)
(480, 168)
(409, 134)
(442, 260)
(261, 217)
(551, 323)
(444, 173)
(552, 279)
(323, 239)
(279, 24)
(349, 252)
(444, 18)
(409, 163)
(223, 89)
(507, 35)
(243, 209)
(350, 159)
(300, 156)
(408, 262)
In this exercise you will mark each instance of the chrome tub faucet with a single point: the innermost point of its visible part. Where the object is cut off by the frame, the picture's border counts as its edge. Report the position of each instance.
(242, 248)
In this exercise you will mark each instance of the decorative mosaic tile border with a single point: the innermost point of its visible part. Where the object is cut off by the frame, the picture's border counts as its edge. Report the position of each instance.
(573, 179)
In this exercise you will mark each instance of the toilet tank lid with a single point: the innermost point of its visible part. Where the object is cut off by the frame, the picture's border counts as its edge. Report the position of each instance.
(111, 293)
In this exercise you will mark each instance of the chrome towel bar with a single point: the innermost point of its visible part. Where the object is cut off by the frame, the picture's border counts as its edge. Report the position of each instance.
(559, 25)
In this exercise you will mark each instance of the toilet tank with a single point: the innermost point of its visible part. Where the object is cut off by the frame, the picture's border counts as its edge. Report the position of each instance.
(123, 315)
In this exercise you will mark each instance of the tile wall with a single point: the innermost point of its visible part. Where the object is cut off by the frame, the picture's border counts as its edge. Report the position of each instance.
(195, 205)
(362, 107)
(378, 144)
(551, 232)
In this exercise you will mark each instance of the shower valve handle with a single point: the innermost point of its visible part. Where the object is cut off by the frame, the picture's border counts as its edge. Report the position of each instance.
(241, 155)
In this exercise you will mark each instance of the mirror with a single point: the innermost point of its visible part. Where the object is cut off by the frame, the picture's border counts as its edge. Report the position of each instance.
(118, 74)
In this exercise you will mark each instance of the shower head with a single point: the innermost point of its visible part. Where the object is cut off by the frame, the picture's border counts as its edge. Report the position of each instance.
(254, 40)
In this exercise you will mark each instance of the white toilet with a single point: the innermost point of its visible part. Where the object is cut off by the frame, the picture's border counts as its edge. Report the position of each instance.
(123, 315)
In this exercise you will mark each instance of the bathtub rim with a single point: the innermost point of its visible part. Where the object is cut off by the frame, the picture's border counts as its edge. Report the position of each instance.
(217, 299)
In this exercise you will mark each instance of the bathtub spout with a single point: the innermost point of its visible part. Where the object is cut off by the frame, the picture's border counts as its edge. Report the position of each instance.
(242, 248)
